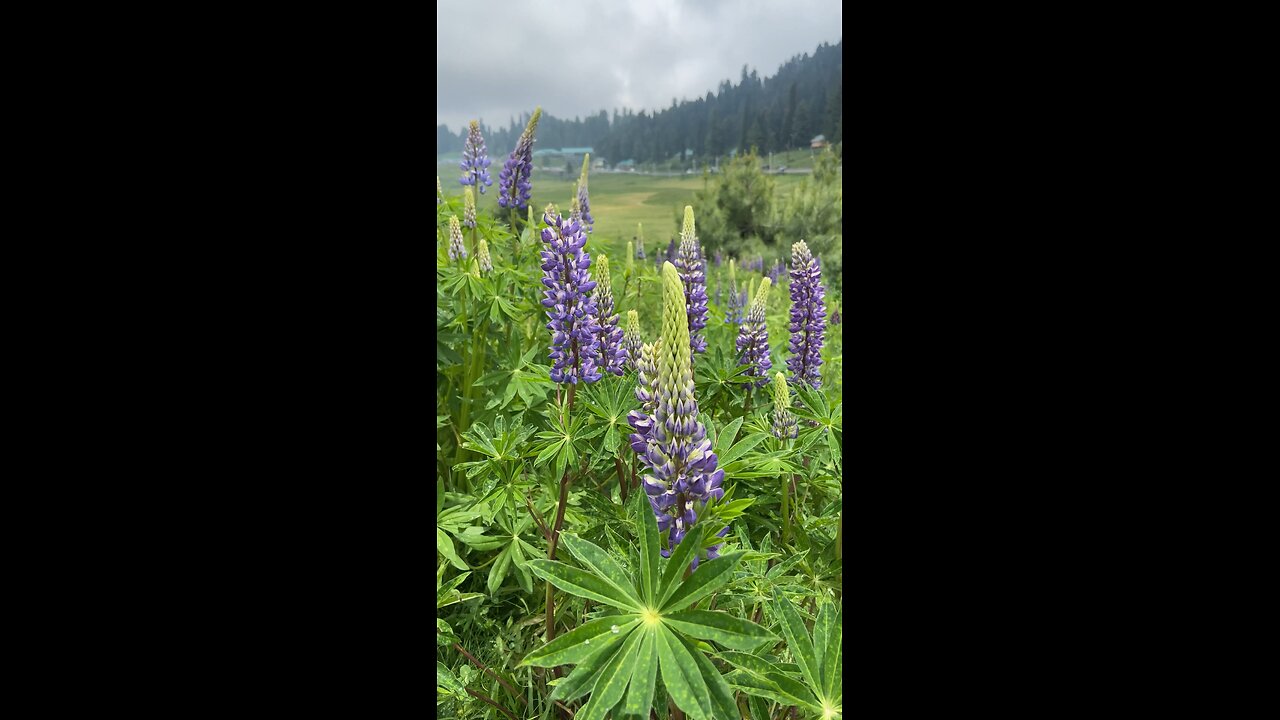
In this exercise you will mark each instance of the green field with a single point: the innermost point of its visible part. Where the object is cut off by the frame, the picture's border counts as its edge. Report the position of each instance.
(618, 201)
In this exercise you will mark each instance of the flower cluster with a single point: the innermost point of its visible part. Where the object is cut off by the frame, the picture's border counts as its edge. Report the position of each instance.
(468, 208)
(639, 238)
(689, 263)
(835, 318)
(514, 186)
(608, 334)
(784, 423)
(475, 160)
(456, 248)
(753, 338)
(808, 316)
(737, 303)
(671, 252)
(776, 270)
(719, 258)
(584, 204)
(671, 443)
(439, 192)
(575, 346)
(631, 340)
(482, 254)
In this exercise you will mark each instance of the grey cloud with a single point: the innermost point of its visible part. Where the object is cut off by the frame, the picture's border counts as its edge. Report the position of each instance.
(497, 59)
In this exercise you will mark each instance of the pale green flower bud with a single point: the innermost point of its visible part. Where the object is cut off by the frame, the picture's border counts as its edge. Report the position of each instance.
(482, 253)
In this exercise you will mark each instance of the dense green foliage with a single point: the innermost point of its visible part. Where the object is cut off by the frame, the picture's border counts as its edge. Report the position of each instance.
(740, 213)
(552, 593)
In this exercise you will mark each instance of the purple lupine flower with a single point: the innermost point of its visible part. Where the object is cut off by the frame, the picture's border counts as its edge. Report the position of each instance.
(584, 204)
(689, 264)
(753, 338)
(456, 248)
(439, 192)
(514, 185)
(631, 340)
(671, 252)
(808, 317)
(609, 335)
(475, 160)
(717, 292)
(733, 315)
(575, 346)
(835, 317)
(669, 440)
(719, 258)
(639, 238)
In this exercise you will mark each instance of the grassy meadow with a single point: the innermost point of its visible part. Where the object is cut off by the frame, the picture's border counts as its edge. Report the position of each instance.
(621, 200)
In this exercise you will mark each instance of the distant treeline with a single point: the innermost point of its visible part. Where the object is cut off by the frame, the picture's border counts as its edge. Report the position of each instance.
(783, 112)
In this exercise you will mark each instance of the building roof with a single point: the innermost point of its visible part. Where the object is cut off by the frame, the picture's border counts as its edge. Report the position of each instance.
(576, 151)
(820, 138)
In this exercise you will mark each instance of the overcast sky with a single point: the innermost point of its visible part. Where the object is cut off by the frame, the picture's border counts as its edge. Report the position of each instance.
(498, 58)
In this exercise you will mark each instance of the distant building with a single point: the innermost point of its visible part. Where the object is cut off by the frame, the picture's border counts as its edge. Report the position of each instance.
(574, 155)
(819, 142)
(627, 164)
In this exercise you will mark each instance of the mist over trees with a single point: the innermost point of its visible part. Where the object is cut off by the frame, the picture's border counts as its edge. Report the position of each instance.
(803, 99)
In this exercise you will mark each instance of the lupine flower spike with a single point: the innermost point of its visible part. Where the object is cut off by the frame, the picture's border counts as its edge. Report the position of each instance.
(835, 318)
(439, 192)
(468, 208)
(693, 277)
(631, 340)
(584, 204)
(784, 423)
(609, 335)
(808, 317)
(753, 338)
(640, 241)
(575, 346)
(514, 185)
(482, 254)
(456, 248)
(631, 260)
(670, 441)
(475, 160)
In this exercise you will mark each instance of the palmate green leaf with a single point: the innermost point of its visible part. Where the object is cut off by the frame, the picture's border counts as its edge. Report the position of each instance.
(599, 562)
(453, 596)
(720, 627)
(798, 640)
(681, 676)
(445, 546)
(499, 570)
(581, 642)
(584, 676)
(643, 678)
(770, 689)
(721, 695)
(583, 584)
(709, 577)
(741, 448)
(612, 681)
(522, 567)
(679, 561)
(649, 551)
(829, 632)
(727, 436)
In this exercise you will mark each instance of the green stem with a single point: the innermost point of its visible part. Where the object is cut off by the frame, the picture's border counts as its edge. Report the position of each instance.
(786, 508)
(622, 478)
(551, 555)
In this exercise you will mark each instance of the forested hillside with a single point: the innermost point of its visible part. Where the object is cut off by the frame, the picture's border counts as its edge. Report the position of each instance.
(803, 99)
